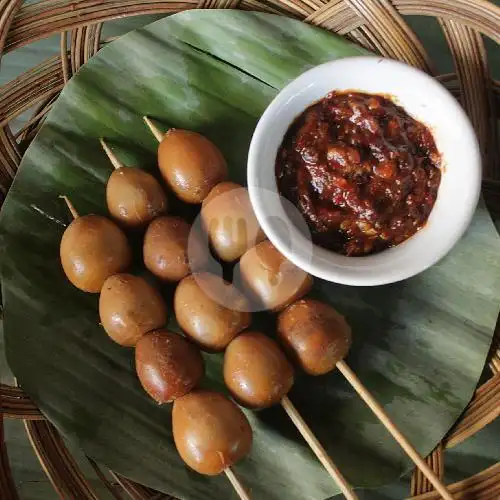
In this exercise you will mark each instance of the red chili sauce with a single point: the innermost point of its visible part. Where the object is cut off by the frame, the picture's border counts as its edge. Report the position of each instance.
(363, 173)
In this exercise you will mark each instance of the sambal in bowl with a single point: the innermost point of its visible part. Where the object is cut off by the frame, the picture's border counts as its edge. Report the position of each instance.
(364, 171)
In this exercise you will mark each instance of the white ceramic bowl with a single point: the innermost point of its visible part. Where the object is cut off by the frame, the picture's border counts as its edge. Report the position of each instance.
(423, 98)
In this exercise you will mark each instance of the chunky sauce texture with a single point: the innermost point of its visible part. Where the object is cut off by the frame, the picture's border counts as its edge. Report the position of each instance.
(363, 173)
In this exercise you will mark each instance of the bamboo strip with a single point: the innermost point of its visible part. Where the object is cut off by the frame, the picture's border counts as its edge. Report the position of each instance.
(478, 414)
(469, 54)
(8, 11)
(58, 464)
(33, 23)
(7, 486)
(482, 486)
(109, 486)
(33, 120)
(14, 403)
(64, 56)
(8, 159)
(387, 26)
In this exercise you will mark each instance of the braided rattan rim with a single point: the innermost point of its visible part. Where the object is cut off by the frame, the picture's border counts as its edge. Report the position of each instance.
(375, 24)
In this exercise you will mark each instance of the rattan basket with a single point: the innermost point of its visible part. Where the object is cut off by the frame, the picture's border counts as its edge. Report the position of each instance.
(375, 24)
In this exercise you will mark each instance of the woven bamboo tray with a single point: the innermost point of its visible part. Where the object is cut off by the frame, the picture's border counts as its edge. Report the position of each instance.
(377, 25)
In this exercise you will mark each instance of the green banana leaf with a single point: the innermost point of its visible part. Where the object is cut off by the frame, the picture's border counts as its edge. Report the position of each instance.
(419, 345)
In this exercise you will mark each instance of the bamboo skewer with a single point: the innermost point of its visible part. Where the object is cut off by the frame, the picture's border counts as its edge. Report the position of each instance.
(154, 129)
(294, 325)
(117, 164)
(264, 379)
(238, 487)
(70, 206)
(292, 412)
(112, 157)
(394, 431)
(317, 448)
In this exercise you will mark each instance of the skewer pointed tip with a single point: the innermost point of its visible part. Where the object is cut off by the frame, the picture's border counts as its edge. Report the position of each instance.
(70, 206)
(112, 157)
(154, 129)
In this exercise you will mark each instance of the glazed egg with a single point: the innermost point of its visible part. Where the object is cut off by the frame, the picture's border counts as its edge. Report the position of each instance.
(134, 197)
(168, 365)
(315, 334)
(165, 249)
(191, 164)
(211, 433)
(210, 311)
(256, 371)
(92, 249)
(271, 278)
(229, 221)
(129, 307)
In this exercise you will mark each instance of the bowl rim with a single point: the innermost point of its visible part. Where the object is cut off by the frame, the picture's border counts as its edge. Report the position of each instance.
(349, 273)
